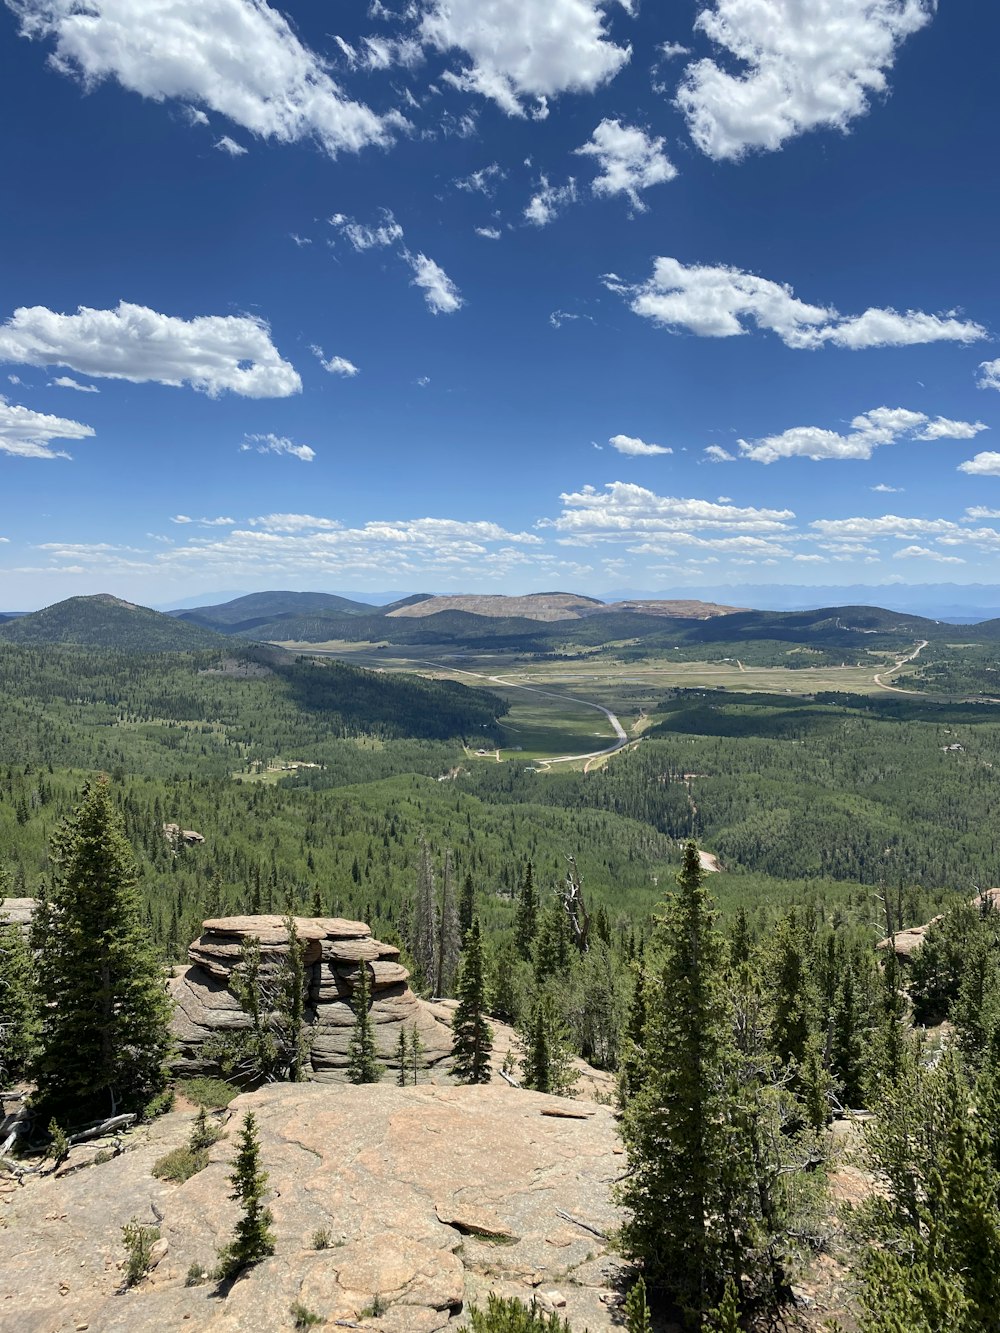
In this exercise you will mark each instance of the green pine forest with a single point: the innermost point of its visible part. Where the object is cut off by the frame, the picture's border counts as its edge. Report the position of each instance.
(755, 998)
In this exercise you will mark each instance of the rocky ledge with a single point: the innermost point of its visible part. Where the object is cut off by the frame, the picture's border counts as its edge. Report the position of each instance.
(429, 1196)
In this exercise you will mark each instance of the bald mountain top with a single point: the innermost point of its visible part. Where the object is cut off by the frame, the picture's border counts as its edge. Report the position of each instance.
(103, 621)
(536, 606)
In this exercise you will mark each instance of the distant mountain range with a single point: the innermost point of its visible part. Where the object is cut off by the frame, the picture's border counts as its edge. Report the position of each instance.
(554, 622)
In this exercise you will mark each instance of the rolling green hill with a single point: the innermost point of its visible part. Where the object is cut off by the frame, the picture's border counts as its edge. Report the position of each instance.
(103, 621)
(265, 606)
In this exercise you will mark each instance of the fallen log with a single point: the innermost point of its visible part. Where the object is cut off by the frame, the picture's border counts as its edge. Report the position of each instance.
(103, 1127)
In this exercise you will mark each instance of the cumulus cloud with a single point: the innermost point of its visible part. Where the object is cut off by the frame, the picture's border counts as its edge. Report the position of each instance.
(716, 454)
(440, 293)
(212, 353)
(335, 365)
(990, 375)
(230, 146)
(28, 434)
(277, 444)
(886, 525)
(983, 465)
(715, 301)
(630, 160)
(520, 49)
(488, 233)
(624, 511)
(882, 425)
(548, 201)
(364, 237)
(627, 444)
(925, 553)
(982, 511)
(239, 58)
(803, 66)
(65, 382)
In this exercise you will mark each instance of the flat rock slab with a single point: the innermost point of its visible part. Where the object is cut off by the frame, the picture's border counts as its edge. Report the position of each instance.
(431, 1196)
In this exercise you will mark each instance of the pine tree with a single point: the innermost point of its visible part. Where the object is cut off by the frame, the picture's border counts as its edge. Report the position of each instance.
(526, 916)
(637, 1317)
(293, 1038)
(424, 924)
(706, 1193)
(104, 1021)
(466, 906)
(546, 1065)
(363, 1064)
(403, 1056)
(472, 1037)
(848, 1042)
(416, 1051)
(253, 1239)
(18, 1022)
(449, 940)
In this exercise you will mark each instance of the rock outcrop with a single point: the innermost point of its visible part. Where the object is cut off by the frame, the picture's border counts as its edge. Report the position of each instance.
(429, 1197)
(18, 912)
(334, 952)
(905, 943)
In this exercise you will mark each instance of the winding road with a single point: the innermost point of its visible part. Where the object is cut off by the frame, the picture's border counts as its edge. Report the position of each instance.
(877, 678)
(620, 733)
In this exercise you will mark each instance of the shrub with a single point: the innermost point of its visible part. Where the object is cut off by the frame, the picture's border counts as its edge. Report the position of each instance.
(196, 1275)
(138, 1241)
(304, 1318)
(509, 1315)
(179, 1165)
(213, 1093)
(321, 1239)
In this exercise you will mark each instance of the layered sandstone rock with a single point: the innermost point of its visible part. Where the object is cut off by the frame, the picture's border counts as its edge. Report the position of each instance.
(335, 950)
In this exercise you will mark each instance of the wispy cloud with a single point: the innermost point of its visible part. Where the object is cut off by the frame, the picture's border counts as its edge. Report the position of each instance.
(277, 444)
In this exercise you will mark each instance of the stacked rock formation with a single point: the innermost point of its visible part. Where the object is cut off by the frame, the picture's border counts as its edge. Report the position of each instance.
(335, 950)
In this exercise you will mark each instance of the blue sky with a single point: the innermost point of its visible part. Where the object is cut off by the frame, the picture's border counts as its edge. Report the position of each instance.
(501, 296)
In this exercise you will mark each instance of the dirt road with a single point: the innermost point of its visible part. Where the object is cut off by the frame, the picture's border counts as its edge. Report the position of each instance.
(878, 678)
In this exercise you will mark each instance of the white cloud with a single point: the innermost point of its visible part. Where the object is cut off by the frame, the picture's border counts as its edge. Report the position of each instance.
(990, 377)
(65, 382)
(277, 444)
(220, 522)
(548, 200)
(440, 293)
(982, 511)
(230, 146)
(627, 444)
(624, 511)
(887, 525)
(212, 353)
(364, 237)
(717, 454)
(336, 365)
(484, 181)
(239, 58)
(983, 465)
(715, 301)
(300, 241)
(925, 553)
(28, 434)
(668, 50)
(883, 489)
(803, 65)
(522, 49)
(489, 233)
(422, 381)
(882, 425)
(630, 160)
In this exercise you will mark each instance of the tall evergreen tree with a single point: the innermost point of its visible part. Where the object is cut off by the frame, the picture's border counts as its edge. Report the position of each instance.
(705, 1192)
(363, 1063)
(466, 906)
(424, 924)
(526, 915)
(18, 1021)
(449, 940)
(403, 1056)
(472, 1036)
(105, 1013)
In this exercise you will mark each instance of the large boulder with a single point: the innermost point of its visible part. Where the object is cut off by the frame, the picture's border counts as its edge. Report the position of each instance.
(334, 951)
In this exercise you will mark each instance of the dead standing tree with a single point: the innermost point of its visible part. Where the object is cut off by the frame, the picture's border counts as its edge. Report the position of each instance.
(575, 907)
